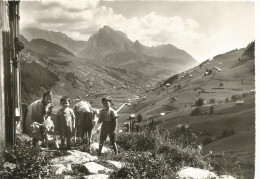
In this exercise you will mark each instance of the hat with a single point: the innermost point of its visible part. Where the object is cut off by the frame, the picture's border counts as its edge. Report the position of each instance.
(107, 99)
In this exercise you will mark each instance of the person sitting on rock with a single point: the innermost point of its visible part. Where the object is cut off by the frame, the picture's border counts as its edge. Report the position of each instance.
(108, 118)
(65, 121)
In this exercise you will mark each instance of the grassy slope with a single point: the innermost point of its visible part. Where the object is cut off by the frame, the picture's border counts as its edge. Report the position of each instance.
(35, 79)
(237, 78)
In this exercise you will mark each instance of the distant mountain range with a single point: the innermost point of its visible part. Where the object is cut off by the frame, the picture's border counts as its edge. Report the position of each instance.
(112, 48)
(45, 47)
(54, 37)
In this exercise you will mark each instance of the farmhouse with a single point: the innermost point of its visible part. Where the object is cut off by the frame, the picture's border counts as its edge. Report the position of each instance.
(132, 116)
(217, 68)
(162, 113)
(240, 102)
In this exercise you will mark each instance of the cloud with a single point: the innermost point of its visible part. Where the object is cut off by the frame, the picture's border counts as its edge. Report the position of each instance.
(69, 5)
(80, 19)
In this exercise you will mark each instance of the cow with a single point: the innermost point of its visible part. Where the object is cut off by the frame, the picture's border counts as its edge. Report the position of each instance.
(86, 118)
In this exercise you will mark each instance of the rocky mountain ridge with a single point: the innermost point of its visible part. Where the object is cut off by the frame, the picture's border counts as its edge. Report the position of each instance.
(112, 48)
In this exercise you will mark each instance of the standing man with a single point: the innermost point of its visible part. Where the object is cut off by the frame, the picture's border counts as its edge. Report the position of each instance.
(108, 118)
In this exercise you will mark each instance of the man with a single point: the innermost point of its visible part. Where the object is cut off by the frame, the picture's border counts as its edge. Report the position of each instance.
(37, 113)
(108, 118)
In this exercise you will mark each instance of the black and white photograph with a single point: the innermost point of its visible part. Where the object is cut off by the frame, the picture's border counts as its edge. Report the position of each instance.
(128, 89)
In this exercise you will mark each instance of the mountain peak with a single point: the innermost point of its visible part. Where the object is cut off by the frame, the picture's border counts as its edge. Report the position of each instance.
(108, 31)
(138, 46)
(109, 40)
(107, 27)
(137, 42)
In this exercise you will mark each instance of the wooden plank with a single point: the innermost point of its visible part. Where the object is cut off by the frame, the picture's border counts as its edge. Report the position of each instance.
(2, 75)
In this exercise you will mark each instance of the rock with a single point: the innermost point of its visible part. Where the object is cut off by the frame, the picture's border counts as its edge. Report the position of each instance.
(9, 166)
(117, 164)
(58, 169)
(23, 137)
(95, 146)
(68, 168)
(79, 168)
(195, 173)
(97, 176)
(74, 157)
(94, 168)
(68, 177)
(225, 177)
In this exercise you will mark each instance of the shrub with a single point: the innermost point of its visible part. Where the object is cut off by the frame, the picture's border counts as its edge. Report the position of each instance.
(221, 84)
(199, 102)
(170, 80)
(143, 165)
(209, 72)
(71, 76)
(27, 161)
(139, 118)
(137, 142)
(220, 101)
(244, 95)
(227, 100)
(211, 109)
(195, 111)
(212, 100)
(162, 157)
(235, 97)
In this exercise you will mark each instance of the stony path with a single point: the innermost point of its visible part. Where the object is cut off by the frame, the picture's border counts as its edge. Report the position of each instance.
(75, 164)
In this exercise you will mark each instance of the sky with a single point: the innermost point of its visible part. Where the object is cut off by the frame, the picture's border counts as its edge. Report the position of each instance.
(203, 29)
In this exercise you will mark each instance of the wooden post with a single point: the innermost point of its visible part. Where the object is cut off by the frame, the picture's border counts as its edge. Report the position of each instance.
(3, 27)
(9, 71)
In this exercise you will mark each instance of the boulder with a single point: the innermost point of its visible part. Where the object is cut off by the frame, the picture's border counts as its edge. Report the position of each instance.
(74, 157)
(97, 176)
(95, 146)
(58, 169)
(69, 177)
(9, 166)
(94, 168)
(117, 164)
(195, 173)
(225, 177)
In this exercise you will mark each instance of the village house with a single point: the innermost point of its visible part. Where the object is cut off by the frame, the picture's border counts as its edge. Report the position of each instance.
(240, 102)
